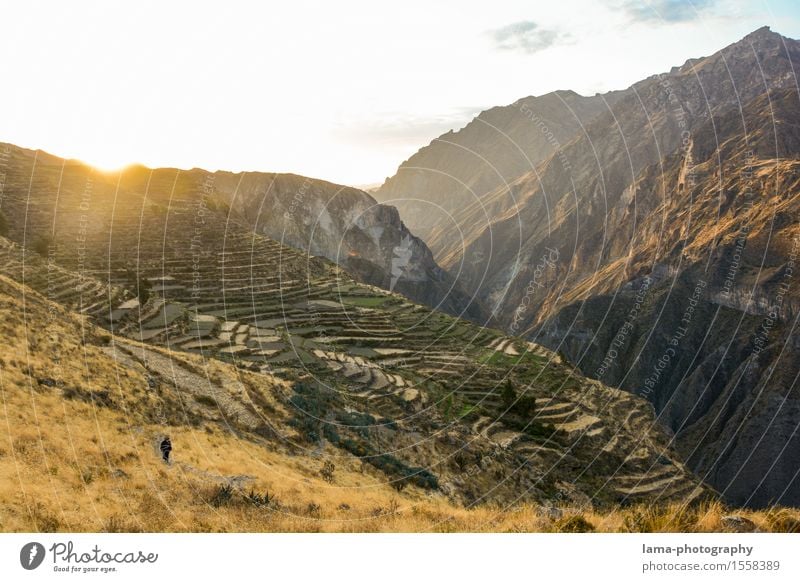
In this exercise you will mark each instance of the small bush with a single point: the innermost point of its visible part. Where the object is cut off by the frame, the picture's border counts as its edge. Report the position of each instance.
(327, 471)
(781, 521)
(259, 499)
(44, 520)
(87, 476)
(524, 406)
(399, 484)
(41, 245)
(392, 466)
(311, 402)
(461, 461)
(205, 399)
(330, 433)
(117, 524)
(652, 519)
(101, 398)
(358, 421)
(223, 495)
(574, 524)
(508, 394)
(357, 448)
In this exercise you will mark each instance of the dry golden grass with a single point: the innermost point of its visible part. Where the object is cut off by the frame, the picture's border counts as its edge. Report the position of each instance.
(71, 465)
(66, 466)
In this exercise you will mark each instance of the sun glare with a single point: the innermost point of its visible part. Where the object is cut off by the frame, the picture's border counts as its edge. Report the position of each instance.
(107, 166)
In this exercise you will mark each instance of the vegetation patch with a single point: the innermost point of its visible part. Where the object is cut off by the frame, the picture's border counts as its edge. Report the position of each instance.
(574, 524)
(205, 399)
(393, 467)
(369, 301)
(312, 402)
(222, 495)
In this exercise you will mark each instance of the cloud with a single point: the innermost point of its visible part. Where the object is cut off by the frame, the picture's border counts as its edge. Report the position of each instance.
(667, 11)
(525, 36)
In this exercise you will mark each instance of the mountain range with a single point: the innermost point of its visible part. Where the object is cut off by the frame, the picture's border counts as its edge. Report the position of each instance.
(571, 304)
(197, 318)
(649, 235)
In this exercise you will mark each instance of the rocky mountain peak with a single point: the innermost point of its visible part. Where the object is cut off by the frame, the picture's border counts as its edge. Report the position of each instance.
(762, 34)
(677, 191)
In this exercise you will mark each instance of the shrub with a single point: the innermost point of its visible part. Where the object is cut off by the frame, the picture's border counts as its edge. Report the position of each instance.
(223, 495)
(469, 412)
(41, 245)
(87, 476)
(358, 421)
(574, 524)
(205, 399)
(392, 466)
(311, 402)
(96, 397)
(143, 287)
(525, 406)
(44, 520)
(508, 394)
(327, 471)
(117, 524)
(399, 484)
(782, 521)
(354, 447)
(423, 478)
(667, 518)
(461, 461)
(330, 433)
(258, 499)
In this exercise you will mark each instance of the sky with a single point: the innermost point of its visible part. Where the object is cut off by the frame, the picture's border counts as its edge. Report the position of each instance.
(344, 91)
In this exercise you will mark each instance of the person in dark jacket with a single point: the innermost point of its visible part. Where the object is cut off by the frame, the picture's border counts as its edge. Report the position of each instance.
(166, 449)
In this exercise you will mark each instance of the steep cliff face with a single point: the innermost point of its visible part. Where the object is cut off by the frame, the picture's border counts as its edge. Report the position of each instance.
(656, 250)
(570, 199)
(702, 319)
(444, 186)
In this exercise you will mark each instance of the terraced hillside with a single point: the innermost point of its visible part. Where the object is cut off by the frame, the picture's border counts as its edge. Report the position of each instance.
(420, 397)
(84, 412)
(348, 227)
(108, 224)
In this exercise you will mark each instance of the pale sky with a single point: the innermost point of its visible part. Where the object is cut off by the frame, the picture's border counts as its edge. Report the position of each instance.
(339, 90)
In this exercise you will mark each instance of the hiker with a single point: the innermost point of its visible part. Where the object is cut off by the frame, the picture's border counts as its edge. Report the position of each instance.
(166, 449)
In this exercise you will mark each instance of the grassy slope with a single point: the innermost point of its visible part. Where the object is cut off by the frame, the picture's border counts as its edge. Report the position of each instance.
(80, 456)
